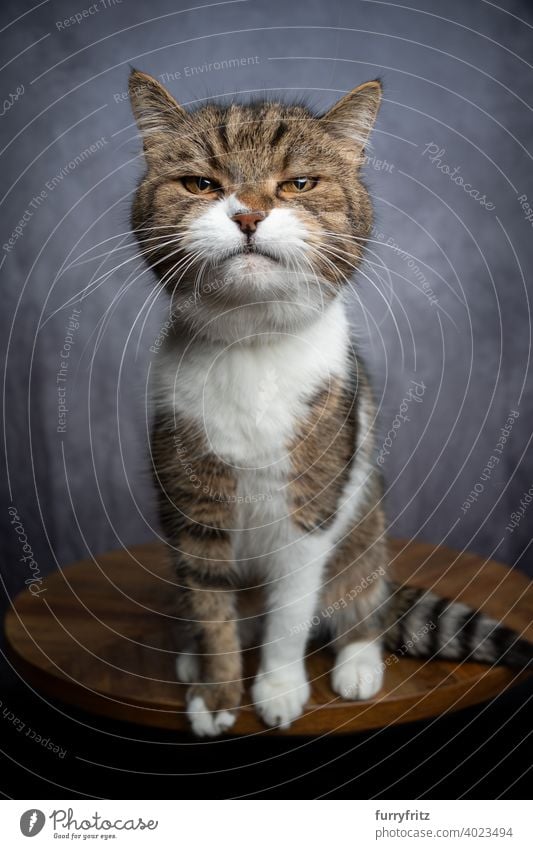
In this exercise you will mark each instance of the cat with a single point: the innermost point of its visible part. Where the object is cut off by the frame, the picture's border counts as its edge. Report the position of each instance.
(254, 218)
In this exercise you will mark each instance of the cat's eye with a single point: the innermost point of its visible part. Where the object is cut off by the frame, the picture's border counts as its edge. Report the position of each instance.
(298, 185)
(201, 185)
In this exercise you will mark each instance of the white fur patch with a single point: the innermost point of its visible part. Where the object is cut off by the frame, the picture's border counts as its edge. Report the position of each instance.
(358, 671)
(207, 724)
(281, 232)
(279, 697)
(248, 399)
(278, 283)
(257, 327)
(187, 668)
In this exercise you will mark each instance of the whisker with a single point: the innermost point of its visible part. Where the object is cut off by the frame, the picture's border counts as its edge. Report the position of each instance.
(99, 281)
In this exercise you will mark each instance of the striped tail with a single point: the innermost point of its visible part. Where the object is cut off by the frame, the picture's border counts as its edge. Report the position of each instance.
(421, 624)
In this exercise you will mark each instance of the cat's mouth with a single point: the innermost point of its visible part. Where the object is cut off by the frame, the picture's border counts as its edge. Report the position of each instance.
(250, 249)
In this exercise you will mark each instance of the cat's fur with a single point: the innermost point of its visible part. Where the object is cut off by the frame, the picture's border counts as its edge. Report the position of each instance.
(262, 439)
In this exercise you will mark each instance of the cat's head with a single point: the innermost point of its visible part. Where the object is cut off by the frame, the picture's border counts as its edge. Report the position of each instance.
(253, 216)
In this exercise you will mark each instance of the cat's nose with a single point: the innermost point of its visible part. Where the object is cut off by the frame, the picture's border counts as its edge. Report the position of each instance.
(248, 221)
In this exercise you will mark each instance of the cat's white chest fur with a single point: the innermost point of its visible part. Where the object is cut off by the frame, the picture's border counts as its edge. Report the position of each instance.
(247, 399)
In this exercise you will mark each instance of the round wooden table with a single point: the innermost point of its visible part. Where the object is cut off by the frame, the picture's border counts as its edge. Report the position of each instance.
(101, 638)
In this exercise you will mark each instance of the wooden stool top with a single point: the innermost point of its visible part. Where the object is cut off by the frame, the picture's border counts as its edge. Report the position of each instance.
(101, 638)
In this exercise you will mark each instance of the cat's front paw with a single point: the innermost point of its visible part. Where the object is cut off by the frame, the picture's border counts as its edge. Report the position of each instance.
(279, 698)
(211, 708)
(358, 671)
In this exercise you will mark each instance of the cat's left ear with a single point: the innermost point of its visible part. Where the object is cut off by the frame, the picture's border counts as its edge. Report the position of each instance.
(351, 119)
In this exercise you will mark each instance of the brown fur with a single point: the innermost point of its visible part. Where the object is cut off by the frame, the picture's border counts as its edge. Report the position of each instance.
(251, 148)
(196, 510)
(355, 582)
(355, 586)
(321, 457)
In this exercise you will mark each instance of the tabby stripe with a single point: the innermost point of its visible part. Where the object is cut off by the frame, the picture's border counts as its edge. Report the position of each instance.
(503, 640)
(206, 532)
(412, 598)
(279, 132)
(191, 578)
(351, 215)
(467, 629)
(439, 610)
(223, 136)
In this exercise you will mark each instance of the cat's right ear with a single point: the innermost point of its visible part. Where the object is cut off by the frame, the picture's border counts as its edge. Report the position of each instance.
(155, 110)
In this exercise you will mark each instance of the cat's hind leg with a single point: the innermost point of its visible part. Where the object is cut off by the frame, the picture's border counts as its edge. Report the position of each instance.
(205, 722)
(188, 667)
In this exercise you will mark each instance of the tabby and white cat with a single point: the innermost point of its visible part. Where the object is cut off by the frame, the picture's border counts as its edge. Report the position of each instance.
(254, 218)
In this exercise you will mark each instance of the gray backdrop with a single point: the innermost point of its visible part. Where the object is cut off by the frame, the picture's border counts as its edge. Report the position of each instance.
(442, 300)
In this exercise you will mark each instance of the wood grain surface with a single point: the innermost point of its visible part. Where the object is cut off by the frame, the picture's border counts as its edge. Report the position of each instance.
(102, 638)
